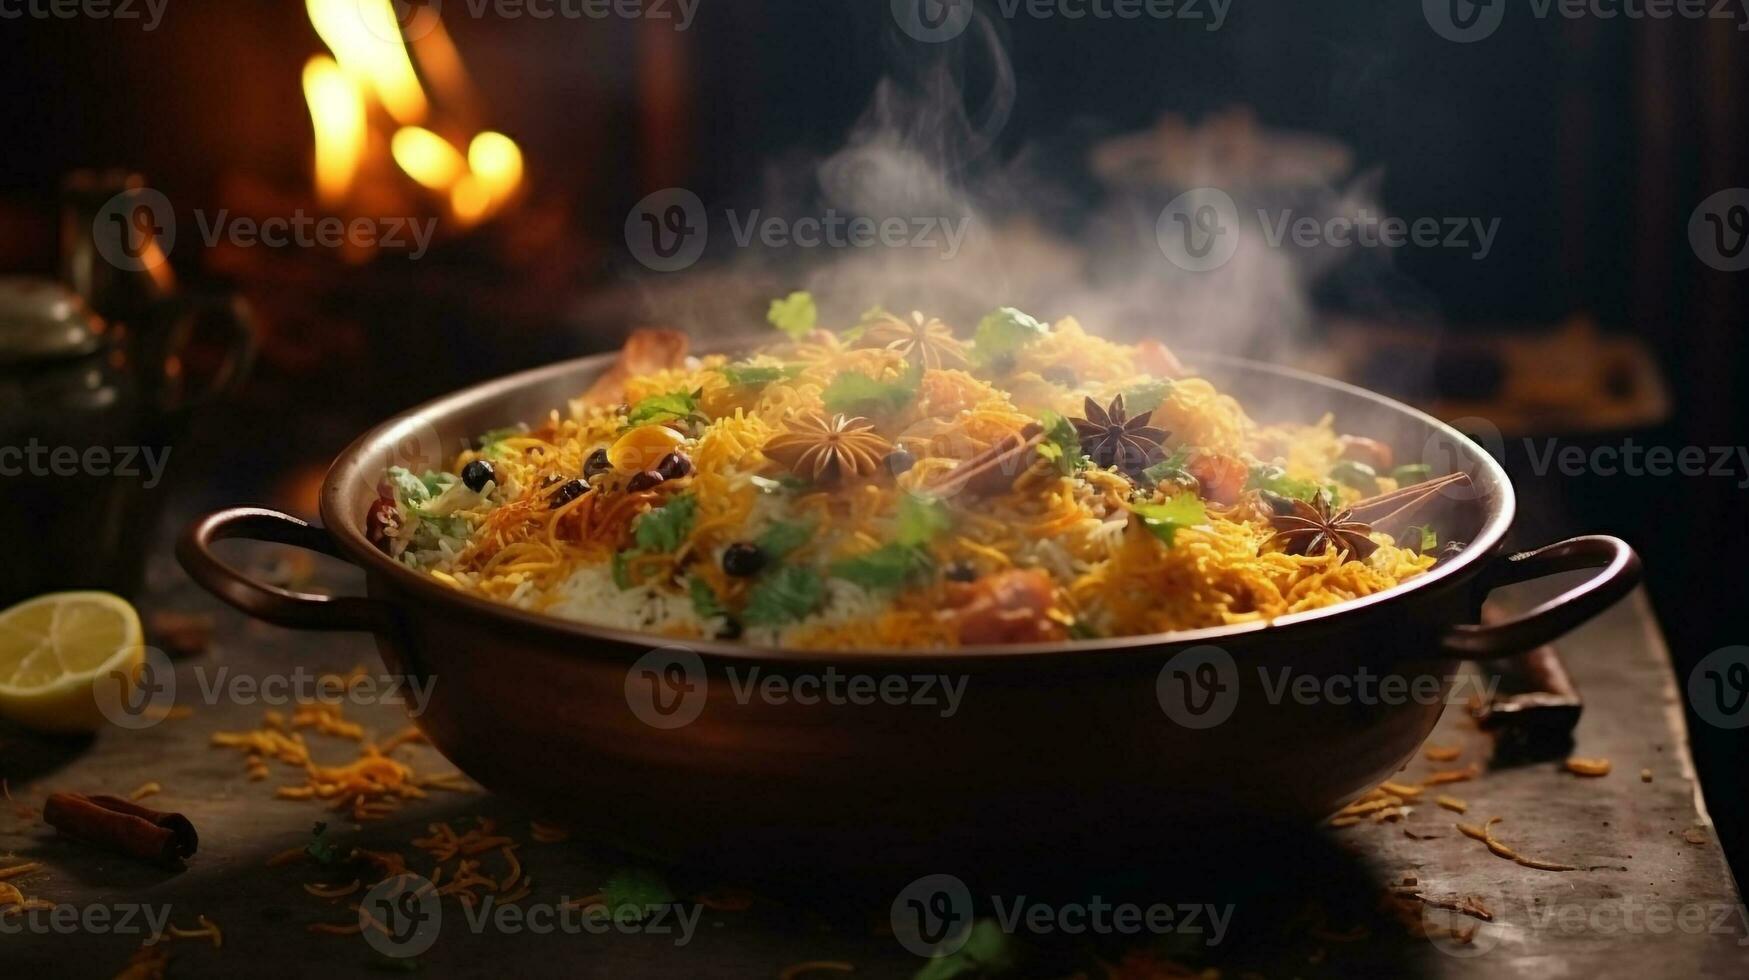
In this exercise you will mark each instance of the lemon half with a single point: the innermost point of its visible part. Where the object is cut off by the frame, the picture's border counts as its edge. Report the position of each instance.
(54, 648)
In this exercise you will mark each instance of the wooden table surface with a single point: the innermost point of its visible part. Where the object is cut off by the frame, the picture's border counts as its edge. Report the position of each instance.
(1653, 896)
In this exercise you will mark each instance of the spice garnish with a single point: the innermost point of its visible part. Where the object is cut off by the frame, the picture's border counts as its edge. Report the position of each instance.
(123, 826)
(996, 468)
(925, 341)
(827, 452)
(1588, 767)
(1110, 437)
(1309, 529)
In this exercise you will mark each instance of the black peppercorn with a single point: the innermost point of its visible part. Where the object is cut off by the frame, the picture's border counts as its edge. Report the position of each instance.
(961, 571)
(730, 630)
(674, 466)
(647, 480)
(900, 460)
(743, 558)
(477, 474)
(568, 491)
(596, 464)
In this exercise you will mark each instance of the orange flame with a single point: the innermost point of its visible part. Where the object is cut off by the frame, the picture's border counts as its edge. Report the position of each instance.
(337, 112)
(428, 158)
(366, 39)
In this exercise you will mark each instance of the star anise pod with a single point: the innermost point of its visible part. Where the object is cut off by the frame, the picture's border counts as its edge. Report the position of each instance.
(1110, 437)
(927, 341)
(827, 452)
(1309, 529)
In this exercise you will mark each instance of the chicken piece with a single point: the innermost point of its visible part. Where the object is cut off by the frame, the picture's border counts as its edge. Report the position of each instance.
(1222, 476)
(1154, 358)
(646, 351)
(1006, 607)
(1369, 451)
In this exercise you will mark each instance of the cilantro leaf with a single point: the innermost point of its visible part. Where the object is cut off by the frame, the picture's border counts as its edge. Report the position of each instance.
(704, 599)
(783, 596)
(986, 952)
(782, 538)
(320, 847)
(631, 894)
(853, 393)
(1275, 480)
(1005, 331)
(489, 442)
(1171, 469)
(921, 519)
(1165, 520)
(751, 374)
(622, 573)
(664, 529)
(887, 567)
(795, 314)
(1140, 399)
(1062, 444)
(662, 408)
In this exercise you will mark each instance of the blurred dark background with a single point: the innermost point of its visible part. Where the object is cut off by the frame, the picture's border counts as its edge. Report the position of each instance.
(1592, 141)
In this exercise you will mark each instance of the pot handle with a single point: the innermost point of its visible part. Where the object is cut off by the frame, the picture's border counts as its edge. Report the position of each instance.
(282, 607)
(1618, 572)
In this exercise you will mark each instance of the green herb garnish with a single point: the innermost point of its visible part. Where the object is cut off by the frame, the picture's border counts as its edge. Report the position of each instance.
(1005, 331)
(987, 952)
(320, 847)
(632, 893)
(1411, 473)
(663, 408)
(1062, 444)
(704, 599)
(852, 393)
(622, 572)
(1171, 469)
(783, 596)
(782, 538)
(664, 530)
(1165, 520)
(795, 314)
(920, 520)
(1357, 475)
(890, 566)
(1420, 537)
(1140, 399)
(1276, 481)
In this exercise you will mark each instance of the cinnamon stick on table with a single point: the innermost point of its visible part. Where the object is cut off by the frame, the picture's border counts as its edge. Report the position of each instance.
(123, 826)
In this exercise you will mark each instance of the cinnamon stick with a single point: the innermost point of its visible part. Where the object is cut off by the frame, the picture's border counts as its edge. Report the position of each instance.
(124, 827)
(996, 468)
